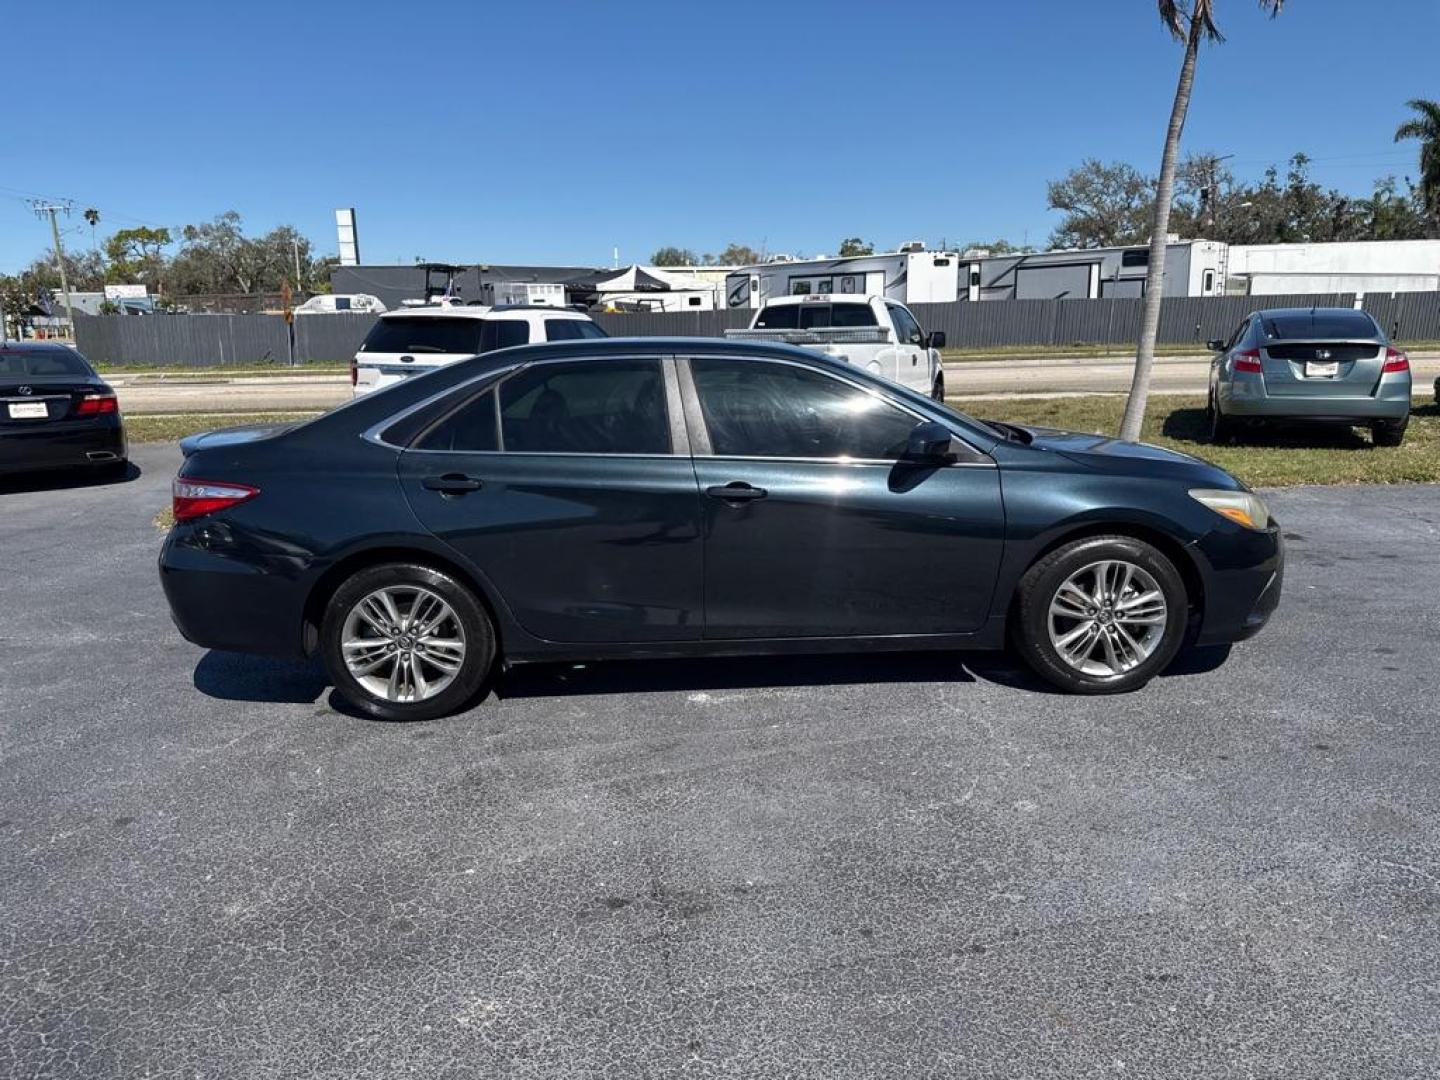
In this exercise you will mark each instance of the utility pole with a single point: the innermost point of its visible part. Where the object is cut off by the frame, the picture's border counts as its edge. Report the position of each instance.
(41, 209)
(295, 246)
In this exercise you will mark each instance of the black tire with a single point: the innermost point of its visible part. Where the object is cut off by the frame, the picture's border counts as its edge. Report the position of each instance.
(473, 620)
(1389, 432)
(1030, 629)
(937, 392)
(1222, 428)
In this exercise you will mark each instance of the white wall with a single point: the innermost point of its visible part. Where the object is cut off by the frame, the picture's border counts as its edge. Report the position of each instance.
(1371, 266)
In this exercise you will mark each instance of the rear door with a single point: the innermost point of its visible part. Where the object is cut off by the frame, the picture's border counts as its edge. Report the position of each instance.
(1335, 354)
(814, 528)
(569, 485)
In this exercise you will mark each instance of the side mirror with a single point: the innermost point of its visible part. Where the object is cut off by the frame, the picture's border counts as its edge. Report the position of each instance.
(1215, 345)
(937, 339)
(929, 441)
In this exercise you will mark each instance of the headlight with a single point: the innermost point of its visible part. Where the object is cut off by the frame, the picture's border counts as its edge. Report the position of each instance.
(1242, 507)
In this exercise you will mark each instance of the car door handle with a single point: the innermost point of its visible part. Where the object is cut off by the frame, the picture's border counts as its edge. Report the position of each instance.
(736, 491)
(451, 483)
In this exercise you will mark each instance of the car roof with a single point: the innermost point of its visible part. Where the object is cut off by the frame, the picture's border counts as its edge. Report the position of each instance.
(31, 345)
(627, 347)
(481, 311)
(1291, 312)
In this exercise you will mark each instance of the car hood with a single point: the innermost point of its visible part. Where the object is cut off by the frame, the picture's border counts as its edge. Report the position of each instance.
(1107, 454)
(231, 436)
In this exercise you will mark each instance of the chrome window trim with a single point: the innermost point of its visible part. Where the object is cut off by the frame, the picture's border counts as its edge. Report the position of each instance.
(699, 416)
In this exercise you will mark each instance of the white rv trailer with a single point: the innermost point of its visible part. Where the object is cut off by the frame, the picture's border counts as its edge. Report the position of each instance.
(913, 276)
(1192, 268)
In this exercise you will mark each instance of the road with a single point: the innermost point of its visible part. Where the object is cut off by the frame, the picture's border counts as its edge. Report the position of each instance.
(857, 867)
(993, 378)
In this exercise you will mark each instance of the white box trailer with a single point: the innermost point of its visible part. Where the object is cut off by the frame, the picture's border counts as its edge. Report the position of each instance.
(526, 294)
(908, 277)
(1370, 266)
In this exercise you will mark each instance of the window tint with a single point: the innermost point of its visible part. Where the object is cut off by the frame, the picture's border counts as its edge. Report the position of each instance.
(1321, 324)
(42, 362)
(906, 328)
(504, 333)
(595, 407)
(571, 329)
(1136, 257)
(424, 334)
(779, 317)
(758, 409)
(1238, 334)
(469, 428)
(852, 315)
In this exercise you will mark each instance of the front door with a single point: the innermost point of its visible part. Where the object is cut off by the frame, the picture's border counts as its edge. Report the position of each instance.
(814, 527)
(564, 486)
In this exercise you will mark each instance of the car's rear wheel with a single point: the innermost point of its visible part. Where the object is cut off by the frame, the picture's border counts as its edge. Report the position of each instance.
(406, 642)
(1388, 432)
(1101, 615)
(1222, 428)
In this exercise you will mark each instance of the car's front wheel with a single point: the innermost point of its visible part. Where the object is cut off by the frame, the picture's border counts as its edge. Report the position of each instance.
(406, 642)
(937, 391)
(1101, 615)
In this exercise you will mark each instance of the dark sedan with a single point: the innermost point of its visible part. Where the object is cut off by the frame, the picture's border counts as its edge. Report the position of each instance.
(689, 497)
(55, 412)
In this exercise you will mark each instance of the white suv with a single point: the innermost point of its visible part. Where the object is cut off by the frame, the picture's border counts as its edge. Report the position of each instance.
(413, 341)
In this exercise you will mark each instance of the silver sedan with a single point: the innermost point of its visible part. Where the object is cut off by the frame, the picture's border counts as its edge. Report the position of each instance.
(1327, 365)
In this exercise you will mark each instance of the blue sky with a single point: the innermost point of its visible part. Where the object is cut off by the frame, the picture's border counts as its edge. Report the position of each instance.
(482, 132)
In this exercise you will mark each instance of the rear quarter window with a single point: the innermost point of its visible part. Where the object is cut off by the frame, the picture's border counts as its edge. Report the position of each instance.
(571, 330)
(504, 334)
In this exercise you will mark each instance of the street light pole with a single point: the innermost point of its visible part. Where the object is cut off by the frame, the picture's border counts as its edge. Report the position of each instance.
(41, 209)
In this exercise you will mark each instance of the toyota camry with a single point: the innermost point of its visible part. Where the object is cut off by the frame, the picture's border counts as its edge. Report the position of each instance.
(653, 497)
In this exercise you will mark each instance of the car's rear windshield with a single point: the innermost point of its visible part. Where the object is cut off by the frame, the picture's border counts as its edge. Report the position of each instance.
(36, 362)
(424, 334)
(814, 316)
(1318, 325)
(571, 329)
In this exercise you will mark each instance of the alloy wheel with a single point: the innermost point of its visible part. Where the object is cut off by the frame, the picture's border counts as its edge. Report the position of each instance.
(1107, 618)
(403, 643)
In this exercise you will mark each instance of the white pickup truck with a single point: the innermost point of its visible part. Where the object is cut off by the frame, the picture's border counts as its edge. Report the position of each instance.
(870, 332)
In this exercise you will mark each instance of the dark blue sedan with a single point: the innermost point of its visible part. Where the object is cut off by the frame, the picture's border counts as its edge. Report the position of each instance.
(655, 497)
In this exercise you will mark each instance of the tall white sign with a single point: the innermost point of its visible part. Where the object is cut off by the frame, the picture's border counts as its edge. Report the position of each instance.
(349, 236)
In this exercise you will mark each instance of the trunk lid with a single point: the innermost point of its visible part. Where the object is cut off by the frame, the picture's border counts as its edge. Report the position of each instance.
(1321, 369)
(232, 436)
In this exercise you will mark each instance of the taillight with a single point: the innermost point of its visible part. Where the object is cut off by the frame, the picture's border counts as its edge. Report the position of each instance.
(354, 373)
(1249, 360)
(192, 498)
(96, 405)
(1395, 360)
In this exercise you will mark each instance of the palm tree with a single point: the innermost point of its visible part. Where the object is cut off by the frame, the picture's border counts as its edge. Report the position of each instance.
(1192, 24)
(1426, 128)
(93, 217)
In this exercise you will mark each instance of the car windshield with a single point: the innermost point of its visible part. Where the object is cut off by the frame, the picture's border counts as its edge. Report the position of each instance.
(35, 362)
(1321, 325)
(424, 334)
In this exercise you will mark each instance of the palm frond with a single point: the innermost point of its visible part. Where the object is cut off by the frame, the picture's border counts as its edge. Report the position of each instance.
(1173, 18)
(1411, 129)
(1205, 13)
(1273, 6)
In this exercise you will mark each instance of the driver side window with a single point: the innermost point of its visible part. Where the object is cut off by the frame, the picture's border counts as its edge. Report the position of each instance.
(907, 330)
(754, 408)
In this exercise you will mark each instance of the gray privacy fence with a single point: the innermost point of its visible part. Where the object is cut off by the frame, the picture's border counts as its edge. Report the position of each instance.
(212, 340)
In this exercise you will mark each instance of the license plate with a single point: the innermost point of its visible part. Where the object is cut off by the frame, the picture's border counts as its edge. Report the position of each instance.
(28, 410)
(1314, 370)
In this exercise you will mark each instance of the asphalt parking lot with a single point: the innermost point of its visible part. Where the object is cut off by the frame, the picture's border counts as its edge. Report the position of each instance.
(845, 867)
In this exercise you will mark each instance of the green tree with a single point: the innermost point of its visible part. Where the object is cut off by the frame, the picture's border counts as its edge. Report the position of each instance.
(997, 247)
(738, 255)
(673, 256)
(1426, 127)
(1191, 23)
(853, 245)
(137, 256)
(1105, 205)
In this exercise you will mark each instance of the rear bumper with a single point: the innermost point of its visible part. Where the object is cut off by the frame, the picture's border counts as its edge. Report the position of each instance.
(218, 601)
(1247, 397)
(63, 444)
(1244, 574)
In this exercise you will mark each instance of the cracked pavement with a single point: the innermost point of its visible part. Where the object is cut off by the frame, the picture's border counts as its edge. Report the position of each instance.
(839, 867)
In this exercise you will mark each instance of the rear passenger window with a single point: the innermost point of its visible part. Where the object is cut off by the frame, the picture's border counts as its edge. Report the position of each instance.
(503, 334)
(571, 329)
(468, 429)
(595, 407)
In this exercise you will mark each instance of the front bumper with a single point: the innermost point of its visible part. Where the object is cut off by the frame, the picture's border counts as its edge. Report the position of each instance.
(1244, 574)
